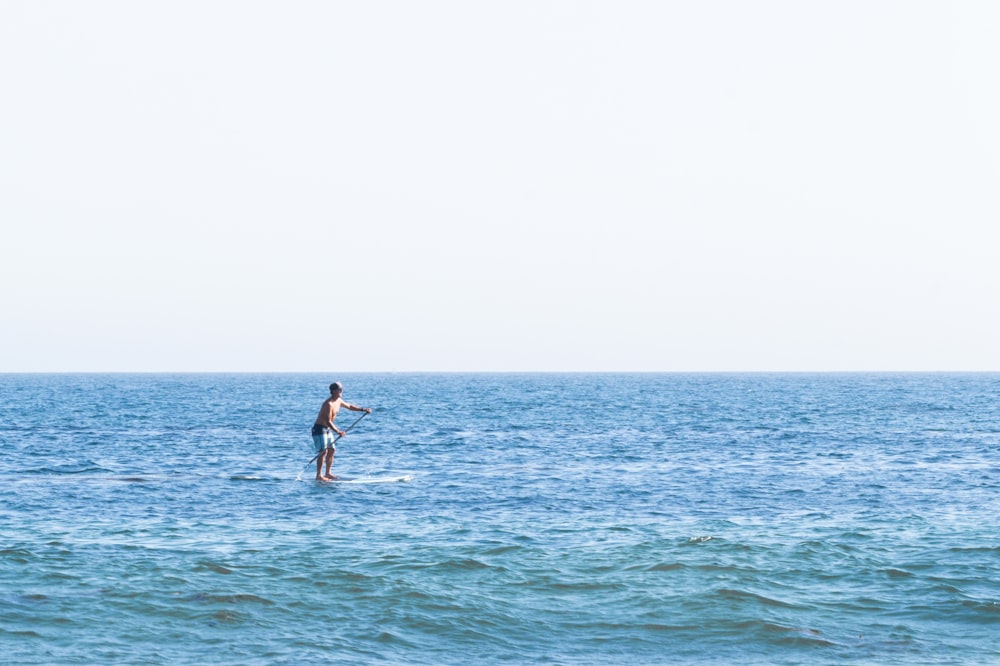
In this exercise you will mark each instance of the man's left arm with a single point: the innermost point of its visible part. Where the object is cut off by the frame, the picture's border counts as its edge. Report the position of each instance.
(355, 408)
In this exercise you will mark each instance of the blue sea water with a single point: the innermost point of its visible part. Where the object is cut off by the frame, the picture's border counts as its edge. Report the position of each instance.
(549, 518)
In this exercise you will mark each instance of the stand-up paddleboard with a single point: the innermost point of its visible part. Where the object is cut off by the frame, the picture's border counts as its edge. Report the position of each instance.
(374, 479)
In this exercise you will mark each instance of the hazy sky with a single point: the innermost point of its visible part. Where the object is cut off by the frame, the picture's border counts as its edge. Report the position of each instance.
(394, 186)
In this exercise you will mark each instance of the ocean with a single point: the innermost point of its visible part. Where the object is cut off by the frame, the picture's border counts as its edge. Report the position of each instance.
(545, 519)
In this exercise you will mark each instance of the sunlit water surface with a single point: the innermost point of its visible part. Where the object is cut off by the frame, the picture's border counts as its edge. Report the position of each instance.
(564, 519)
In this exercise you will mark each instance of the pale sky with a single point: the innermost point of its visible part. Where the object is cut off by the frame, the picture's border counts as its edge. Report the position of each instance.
(499, 186)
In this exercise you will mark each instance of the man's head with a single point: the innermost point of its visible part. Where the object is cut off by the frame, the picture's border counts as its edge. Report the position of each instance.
(336, 388)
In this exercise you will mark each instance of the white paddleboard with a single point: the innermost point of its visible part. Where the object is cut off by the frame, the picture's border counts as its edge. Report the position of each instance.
(374, 479)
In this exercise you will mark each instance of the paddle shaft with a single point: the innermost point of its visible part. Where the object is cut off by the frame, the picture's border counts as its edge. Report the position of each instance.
(339, 436)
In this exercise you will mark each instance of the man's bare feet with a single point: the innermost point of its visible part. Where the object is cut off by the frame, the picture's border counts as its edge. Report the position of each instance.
(331, 477)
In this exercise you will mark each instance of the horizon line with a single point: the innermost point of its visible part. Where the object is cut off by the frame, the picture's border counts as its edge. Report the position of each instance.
(491, 372)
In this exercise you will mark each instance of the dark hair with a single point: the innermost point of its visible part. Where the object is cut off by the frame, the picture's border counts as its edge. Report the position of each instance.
(336, 386)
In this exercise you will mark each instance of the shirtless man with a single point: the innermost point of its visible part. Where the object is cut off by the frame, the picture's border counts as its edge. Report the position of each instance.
(324, 429)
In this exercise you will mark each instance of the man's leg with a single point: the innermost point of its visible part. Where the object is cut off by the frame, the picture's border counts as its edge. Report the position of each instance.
(329, 463)
(319, 465)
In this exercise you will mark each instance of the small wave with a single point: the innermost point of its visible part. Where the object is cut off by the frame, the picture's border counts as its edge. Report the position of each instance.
(982, 606)
(669, 627)
(217, 568)
(69, 470)
(896, 573)
(975, 549)
(787, 635)
(227, 617)
(805, 639)
(666, 566)
(728, 593)
(23, 632)
(500, 550)
(467, 564)
(586, 586)
(18, 555)
(232, 599)
(388, 638)
(249, 477)
(29, 603)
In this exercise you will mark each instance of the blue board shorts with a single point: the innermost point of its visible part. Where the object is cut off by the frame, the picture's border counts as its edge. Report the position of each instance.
(322, 438)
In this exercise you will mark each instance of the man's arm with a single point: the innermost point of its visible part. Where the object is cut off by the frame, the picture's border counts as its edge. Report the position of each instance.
(353, 408)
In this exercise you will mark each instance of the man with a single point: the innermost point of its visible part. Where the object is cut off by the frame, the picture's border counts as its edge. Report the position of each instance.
(324, 429)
